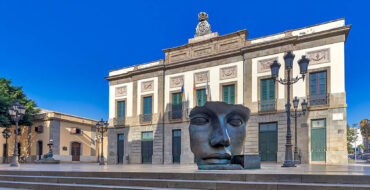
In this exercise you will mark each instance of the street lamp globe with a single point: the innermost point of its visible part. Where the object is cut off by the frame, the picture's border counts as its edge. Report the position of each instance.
(295, 102)
(275, 69)
(288, 59)
(303, 65)
(304, 106)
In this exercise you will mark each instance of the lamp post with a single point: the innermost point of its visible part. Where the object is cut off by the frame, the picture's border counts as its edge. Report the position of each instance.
(6, 135)
(303, 65)
(102, 127)
(295, 116)
(16, 112)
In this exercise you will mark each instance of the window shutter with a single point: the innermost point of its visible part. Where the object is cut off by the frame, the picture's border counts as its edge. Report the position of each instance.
(232, 94)
(225, 94)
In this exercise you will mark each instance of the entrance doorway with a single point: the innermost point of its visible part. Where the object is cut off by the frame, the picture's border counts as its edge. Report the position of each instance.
(120, 148)
(5, 150)
(176, 145)
(267, 141)
(39, 150)
(76, 151)
(318, 140)
(146, 147)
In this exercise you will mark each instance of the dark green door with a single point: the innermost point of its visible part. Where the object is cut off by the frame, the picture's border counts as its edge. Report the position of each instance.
(267, 141)
(228, 94)
(176, 145)
(146, 147)
(176, 106)
(201, 97)
(120, 147)
(318, 140)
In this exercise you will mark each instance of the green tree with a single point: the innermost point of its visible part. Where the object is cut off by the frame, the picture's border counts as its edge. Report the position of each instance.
(351, 137)
(361, 146)
(10, 94)
(364, 124)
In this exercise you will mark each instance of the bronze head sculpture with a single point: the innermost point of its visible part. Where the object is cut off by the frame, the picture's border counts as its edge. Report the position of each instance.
(217, 132)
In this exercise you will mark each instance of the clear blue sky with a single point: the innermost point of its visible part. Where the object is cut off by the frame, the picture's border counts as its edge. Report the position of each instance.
(60, 51)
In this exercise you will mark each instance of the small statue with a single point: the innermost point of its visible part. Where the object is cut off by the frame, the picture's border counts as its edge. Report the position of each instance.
(49, 155)
(217, 134)
(203, 26)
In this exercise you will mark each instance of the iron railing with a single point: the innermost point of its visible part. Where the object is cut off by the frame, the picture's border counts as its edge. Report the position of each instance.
(175, 114)
(119, 121)
(146, 118)
(267, 105)
(318, 100)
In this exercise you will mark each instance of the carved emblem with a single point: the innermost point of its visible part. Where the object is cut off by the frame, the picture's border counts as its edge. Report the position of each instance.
(203, 26)
(147, 86)
(121, 91)
(228, 73)
(320, 56)
(176, 81)
(201, 77)
(264, 65)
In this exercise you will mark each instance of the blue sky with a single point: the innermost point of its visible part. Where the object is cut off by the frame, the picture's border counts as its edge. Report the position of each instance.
(60, 51)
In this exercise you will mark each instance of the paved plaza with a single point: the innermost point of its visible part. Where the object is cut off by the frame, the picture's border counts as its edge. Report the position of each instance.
(361, 168)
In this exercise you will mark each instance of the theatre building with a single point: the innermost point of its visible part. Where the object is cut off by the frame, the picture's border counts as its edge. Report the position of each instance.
(149, 104)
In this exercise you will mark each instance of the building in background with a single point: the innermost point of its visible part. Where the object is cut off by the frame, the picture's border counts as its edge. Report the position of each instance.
(149, 104)
(74, 138)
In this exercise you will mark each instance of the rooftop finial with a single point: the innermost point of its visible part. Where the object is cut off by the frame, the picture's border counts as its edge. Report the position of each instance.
(203, 26)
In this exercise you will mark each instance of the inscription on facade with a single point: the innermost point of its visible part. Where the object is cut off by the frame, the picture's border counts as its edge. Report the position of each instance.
(201, 77)
(176, 81)
(319, 56)
(228, 73)
(147, 86)
(264, 65)
(121, 91)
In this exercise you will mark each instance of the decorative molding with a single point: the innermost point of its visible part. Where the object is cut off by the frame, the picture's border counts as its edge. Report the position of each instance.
(319, 56)
(176, 81)
(201, 77)
(121, 91)
(264, 65)
(178, 57)
(228, 73)
(147, 86)
(229, 45)
(202, 51)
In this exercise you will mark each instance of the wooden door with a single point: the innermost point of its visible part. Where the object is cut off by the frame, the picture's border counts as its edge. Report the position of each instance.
(176, 146)
(120, 148)
(39, 150)
(268, 141)
(318, 140)
(146, 147)
(76, 151)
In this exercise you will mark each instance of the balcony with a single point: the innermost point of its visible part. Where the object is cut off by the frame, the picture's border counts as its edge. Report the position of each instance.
(318, 100)
(175, 115)
(146, 118)
(119, 121)
(267, 105)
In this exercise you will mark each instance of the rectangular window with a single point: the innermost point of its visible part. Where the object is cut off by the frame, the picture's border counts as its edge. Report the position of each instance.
(228, 94)
(201, 97)
(267, 91)
(147, 109)
(121, 109)
(176, 106)
(318, 88)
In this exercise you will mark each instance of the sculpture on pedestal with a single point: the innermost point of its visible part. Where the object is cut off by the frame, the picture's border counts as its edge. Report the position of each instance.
(217, 134)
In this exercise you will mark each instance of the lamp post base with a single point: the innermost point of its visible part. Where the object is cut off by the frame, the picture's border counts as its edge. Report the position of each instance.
(15, 162)
(101, 161)
(289, 163)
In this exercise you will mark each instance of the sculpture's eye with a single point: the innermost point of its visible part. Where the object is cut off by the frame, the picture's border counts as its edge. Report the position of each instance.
(235, 122)
(199, 121)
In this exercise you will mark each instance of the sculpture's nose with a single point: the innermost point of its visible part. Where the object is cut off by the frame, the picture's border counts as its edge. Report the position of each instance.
(219, 137)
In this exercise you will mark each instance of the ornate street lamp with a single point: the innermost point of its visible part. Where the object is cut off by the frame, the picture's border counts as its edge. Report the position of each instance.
(303, 65)
(102, 127)
(16, 112)
(295, 116)
(6, 135)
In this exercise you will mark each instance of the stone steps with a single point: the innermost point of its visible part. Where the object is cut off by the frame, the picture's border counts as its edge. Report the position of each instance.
(133, 180)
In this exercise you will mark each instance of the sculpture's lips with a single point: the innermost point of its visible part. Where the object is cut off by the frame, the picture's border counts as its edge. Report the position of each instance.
(218, 156)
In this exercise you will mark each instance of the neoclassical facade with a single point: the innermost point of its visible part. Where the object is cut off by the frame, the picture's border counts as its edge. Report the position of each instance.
(149, 103)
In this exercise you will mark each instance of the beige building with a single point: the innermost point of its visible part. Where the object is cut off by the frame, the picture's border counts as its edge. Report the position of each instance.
(74, 138)
(149, 116)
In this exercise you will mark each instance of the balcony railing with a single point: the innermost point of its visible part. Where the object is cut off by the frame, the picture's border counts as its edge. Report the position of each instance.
(175, 114)
(145, 118)
(318, 100)
(119, 121)
(267, 105)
